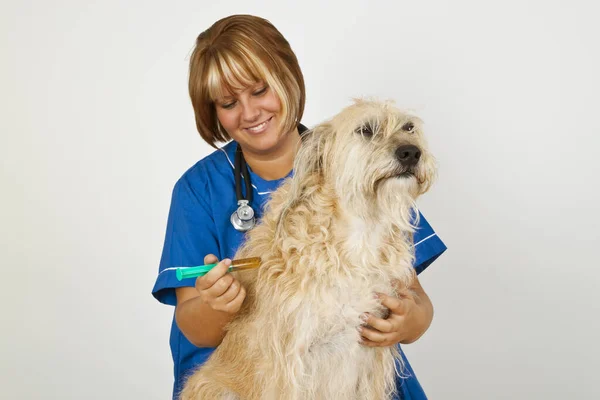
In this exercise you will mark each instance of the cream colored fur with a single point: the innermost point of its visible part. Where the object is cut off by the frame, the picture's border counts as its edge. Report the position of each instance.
(331, 236)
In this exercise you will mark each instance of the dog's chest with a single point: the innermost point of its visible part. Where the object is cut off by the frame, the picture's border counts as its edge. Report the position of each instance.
(326, 315)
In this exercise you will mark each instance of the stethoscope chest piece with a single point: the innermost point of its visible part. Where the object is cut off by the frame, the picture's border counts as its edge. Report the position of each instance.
(242, 219)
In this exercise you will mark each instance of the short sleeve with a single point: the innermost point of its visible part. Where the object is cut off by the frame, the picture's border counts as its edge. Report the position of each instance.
(428, 245)
(190, 236)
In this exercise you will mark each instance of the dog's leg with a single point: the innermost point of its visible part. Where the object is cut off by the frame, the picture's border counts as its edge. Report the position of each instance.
(229, 370)
(379, 378)
(202, 386)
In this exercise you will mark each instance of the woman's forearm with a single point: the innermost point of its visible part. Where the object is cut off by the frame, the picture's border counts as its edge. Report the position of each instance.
(199, 323)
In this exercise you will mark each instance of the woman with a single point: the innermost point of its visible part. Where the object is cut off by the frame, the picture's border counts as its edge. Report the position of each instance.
(245, 84)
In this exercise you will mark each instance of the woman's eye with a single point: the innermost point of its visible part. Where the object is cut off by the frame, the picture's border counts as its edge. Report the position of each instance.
(260, 91)
(228, 105)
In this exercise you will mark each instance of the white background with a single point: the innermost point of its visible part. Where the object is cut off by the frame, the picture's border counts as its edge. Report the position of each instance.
(96, 127)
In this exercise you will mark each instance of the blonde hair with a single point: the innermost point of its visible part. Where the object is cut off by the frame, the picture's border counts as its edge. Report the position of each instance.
(236, 52)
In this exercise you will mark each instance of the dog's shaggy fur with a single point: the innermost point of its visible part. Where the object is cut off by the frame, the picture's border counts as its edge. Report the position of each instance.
(338, 231)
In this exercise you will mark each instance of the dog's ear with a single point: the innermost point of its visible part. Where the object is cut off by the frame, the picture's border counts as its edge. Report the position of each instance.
(308, 168)
(308, 164)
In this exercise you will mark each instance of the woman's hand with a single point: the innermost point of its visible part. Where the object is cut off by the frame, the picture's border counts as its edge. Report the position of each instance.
(219, 289)
(410, 316)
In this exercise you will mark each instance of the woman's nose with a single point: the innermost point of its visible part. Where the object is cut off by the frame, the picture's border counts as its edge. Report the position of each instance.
(250, 112)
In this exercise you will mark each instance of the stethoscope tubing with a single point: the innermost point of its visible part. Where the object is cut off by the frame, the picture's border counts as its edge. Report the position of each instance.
(241, 169)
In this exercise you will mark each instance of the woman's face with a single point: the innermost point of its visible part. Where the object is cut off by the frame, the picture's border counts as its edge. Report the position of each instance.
(252, 117)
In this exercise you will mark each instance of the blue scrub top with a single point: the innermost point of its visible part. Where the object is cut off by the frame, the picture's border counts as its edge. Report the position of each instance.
(202, 202)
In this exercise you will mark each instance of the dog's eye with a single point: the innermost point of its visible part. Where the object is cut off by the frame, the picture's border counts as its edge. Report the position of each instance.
(408, 127)
(365, 130)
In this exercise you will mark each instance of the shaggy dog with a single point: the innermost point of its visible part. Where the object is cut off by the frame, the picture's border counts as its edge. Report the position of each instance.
(338, 231)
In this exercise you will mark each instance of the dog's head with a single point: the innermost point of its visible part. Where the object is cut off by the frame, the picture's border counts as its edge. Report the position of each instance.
(372, 156)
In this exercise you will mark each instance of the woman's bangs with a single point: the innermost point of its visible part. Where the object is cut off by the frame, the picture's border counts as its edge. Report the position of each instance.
(229, 73)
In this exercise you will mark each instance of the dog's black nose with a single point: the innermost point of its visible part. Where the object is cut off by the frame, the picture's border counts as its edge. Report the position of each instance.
(408, 155)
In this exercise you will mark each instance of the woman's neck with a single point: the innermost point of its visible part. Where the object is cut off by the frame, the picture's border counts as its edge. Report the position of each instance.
(277, 163)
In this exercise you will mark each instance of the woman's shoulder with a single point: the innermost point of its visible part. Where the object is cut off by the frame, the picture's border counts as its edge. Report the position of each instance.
(219, 162)
(213, 170)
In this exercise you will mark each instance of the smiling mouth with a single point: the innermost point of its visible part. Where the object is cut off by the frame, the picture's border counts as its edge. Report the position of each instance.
(260, 127)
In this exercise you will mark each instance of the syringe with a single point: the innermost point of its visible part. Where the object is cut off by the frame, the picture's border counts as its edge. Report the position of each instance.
(236, 265)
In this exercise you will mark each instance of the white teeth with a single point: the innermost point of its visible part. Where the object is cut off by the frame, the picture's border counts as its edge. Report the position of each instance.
(258, 127)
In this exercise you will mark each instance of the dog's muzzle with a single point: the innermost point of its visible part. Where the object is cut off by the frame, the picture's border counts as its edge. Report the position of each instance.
(408, 155)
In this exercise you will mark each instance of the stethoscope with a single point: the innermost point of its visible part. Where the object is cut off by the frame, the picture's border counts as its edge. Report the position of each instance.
(242, 219)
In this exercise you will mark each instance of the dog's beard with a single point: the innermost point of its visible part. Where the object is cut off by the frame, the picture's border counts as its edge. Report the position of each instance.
(385, 195)
(395, 198)
(407, 177)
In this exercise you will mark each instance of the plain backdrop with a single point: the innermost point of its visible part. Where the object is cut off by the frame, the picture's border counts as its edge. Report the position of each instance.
(96, 127)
